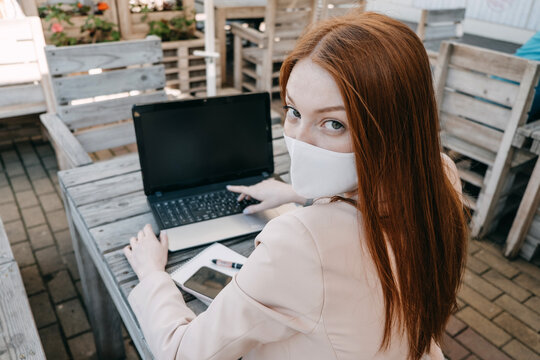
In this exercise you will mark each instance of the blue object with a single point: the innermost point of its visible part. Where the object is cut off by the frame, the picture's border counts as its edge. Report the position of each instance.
(531, 50)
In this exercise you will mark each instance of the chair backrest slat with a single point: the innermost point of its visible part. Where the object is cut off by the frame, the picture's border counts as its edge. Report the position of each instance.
(333, 8)
(107, 137)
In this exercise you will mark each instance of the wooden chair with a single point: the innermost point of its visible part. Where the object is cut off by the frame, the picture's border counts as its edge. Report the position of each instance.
(23, 91)
(332, 8)
(95, 87)
(256, 66)
(479, 114)
(524, 235)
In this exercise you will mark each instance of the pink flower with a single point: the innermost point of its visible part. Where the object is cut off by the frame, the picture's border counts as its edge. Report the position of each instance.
(57, 27)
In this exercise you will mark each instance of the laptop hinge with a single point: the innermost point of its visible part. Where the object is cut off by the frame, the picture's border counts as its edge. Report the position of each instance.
(158, 193)
(265, 174)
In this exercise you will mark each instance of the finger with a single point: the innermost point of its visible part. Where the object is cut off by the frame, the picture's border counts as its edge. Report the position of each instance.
(164, 238)
(133, 242)
(140, 235)
(237, 188)
(248, 197)
(147, 230)
(241, 197)
(128, 253)
(255, 208)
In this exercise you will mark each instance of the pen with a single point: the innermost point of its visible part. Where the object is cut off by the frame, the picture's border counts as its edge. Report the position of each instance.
(228, 264)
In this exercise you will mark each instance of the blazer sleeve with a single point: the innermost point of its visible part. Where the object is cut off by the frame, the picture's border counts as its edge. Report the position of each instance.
(278, 292)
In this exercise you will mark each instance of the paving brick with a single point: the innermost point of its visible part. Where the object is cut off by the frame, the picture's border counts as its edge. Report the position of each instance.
(9, 212)
(71, 263)
(477, 265)
(534, 304)
(61, 287)
(452, 349)
(523, 313)
(40, 237)
(53, 174)
(20, 183)
(519, 351)
(30, 160)
(480, 346)
(83, 347)
(33, 216)
(22, 252)
(477, 301)
(44, 150)
(57, 220)
(500, 281)
(72, 318)
(14, 169)
(50, 202)
(497, 262)
(15, 231)
(10, 156)
(519, 330)
(3, 179)
(490, 246)
(6, 195)
(49, 260)
(529, 283)
(473, 247)
(528, 268)
(63, 240)
(26, 199)
(472, 357)
(32, 280)
(43, 186)
(454, 325)
(51, 339)
(50, 162)
(481, 285)
(42, 309)
(483, 326)
(36, 172)
(131, 351)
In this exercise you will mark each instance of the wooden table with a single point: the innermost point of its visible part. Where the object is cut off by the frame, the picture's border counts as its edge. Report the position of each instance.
(105, 206)
(233, 9)
(19, 337)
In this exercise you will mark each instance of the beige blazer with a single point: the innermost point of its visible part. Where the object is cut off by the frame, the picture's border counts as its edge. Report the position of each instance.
(309, 291)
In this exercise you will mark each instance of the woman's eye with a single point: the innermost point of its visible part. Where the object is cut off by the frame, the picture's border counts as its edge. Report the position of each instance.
(292, 112)
(333, 125)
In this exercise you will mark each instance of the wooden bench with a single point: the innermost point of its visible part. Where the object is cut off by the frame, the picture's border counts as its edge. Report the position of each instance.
(20, 339)
(480, 112)
(95, 87)
(23, 91)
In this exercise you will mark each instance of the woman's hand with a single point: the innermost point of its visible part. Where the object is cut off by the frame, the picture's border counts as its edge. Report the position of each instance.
(145, 253)
(271, 193)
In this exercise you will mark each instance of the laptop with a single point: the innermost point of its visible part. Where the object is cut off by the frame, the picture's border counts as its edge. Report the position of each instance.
(189, 150)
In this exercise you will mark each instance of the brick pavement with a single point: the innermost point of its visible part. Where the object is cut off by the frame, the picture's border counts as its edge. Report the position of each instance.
(499, 303)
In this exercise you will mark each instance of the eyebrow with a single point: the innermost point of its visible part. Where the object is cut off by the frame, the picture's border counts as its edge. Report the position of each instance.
(325, 109)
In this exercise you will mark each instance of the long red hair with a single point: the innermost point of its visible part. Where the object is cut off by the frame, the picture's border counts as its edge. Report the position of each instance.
(407, 203)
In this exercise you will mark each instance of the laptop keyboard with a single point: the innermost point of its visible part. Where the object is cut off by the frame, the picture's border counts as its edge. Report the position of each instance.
(200, 208)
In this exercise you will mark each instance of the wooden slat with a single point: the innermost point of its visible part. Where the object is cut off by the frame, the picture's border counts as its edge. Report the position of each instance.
(107, 111)
(71, 59)
(440, 32)
(472, 132)
(478, 110)
(21, 94)
(6, 255)
(107, 137)
(489, 62)
(113, 209)
(102, 170)
(469, 201)
(468, 149)
(20, 339)
(19, 74)
(25, 109)
(470, 176)
(445, 15)
(110, 82)
(15, 29)
(483, 86)
(14, 52)
(106, 188)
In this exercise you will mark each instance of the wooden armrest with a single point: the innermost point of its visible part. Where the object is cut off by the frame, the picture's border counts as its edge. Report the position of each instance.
(249, 34)
(528, 129)
(66, 145)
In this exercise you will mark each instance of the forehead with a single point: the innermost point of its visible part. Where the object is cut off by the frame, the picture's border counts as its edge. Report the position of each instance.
(313, 87)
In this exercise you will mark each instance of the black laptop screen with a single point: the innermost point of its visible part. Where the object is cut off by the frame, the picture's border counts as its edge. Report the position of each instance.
(197, 142)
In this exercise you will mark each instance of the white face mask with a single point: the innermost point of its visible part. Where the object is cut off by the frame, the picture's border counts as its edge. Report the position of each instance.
(317, 172)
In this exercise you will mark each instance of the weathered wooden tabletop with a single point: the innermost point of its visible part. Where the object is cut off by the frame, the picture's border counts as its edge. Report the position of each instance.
(106, 205)
(19, 338)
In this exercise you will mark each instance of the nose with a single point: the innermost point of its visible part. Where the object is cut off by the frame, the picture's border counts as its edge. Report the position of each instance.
(301, 132)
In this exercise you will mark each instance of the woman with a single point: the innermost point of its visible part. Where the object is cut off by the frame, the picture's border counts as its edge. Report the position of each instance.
(370, 273)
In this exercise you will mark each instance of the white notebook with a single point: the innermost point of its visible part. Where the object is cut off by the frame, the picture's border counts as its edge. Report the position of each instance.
(204, 259)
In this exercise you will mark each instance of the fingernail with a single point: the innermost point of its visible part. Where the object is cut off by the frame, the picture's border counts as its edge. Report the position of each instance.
(162, 232)
(247, 211)
(227, 186)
